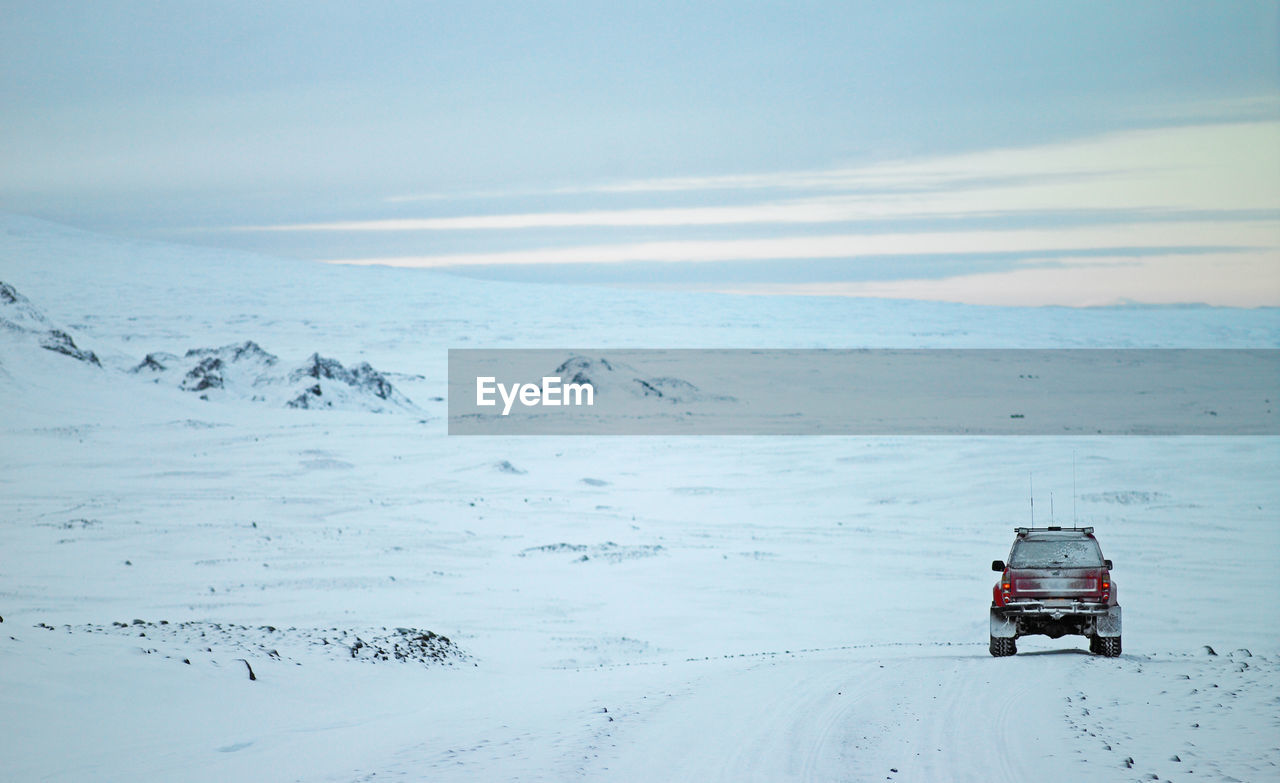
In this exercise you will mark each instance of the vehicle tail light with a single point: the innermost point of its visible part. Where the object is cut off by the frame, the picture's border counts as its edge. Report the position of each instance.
(1106, 587)
(1004, 587)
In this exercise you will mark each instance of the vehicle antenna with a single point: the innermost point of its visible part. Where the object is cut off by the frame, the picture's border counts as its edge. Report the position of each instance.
(1074, 521)
(1051, 507)
(1031, 486)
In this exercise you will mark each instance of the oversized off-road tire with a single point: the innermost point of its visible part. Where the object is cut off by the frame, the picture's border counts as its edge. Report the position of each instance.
(1095, 645)
(1003, 646)
(1109, 646)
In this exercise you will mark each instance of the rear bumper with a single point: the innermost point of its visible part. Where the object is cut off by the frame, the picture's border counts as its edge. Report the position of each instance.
(1056, 609)
(1033, 617)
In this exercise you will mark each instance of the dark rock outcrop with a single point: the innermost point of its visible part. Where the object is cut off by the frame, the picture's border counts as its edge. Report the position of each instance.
(18, 315)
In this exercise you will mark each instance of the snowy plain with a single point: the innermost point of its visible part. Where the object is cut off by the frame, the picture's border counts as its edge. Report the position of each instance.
(810, 608)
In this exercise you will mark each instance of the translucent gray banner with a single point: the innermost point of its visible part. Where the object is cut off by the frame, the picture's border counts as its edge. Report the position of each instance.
(864, 392)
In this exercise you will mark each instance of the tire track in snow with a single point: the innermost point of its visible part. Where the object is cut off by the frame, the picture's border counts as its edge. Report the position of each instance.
(772, 720)
(927, 714)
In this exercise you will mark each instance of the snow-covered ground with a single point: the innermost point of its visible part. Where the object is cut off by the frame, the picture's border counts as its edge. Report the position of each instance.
(614, 608)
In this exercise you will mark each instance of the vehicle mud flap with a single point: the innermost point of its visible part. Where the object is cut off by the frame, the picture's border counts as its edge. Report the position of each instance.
(1004, 628)
(1107, 624)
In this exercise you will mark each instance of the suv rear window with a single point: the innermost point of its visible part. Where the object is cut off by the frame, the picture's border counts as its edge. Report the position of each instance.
(1056, 553)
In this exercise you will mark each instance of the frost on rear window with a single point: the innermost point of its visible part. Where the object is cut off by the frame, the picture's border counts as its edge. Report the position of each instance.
(1078, 553)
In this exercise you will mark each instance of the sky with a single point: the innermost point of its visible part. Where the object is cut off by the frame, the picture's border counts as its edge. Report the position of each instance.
(999, 153)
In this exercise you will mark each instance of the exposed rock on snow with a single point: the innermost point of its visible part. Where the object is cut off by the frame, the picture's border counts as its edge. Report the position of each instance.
(18, 316)
(583, 370)
(17, 313)
(304, 399)
(247, 371)
(185, 640)
(205, 375)
(246, 351)
(548, 548)
(614, 377)
(616, 553)
(363, 379)
(608, 551)
(674, 389)
(155, 362)
(59, 341)
(405, 644)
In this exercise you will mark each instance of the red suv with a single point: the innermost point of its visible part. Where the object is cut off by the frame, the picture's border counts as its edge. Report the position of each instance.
(1056, 583)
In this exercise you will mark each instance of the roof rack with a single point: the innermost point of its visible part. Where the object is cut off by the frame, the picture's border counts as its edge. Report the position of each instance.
(1022, 531)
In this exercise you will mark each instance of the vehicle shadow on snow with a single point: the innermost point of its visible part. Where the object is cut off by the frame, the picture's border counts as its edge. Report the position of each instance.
(1063, 651)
